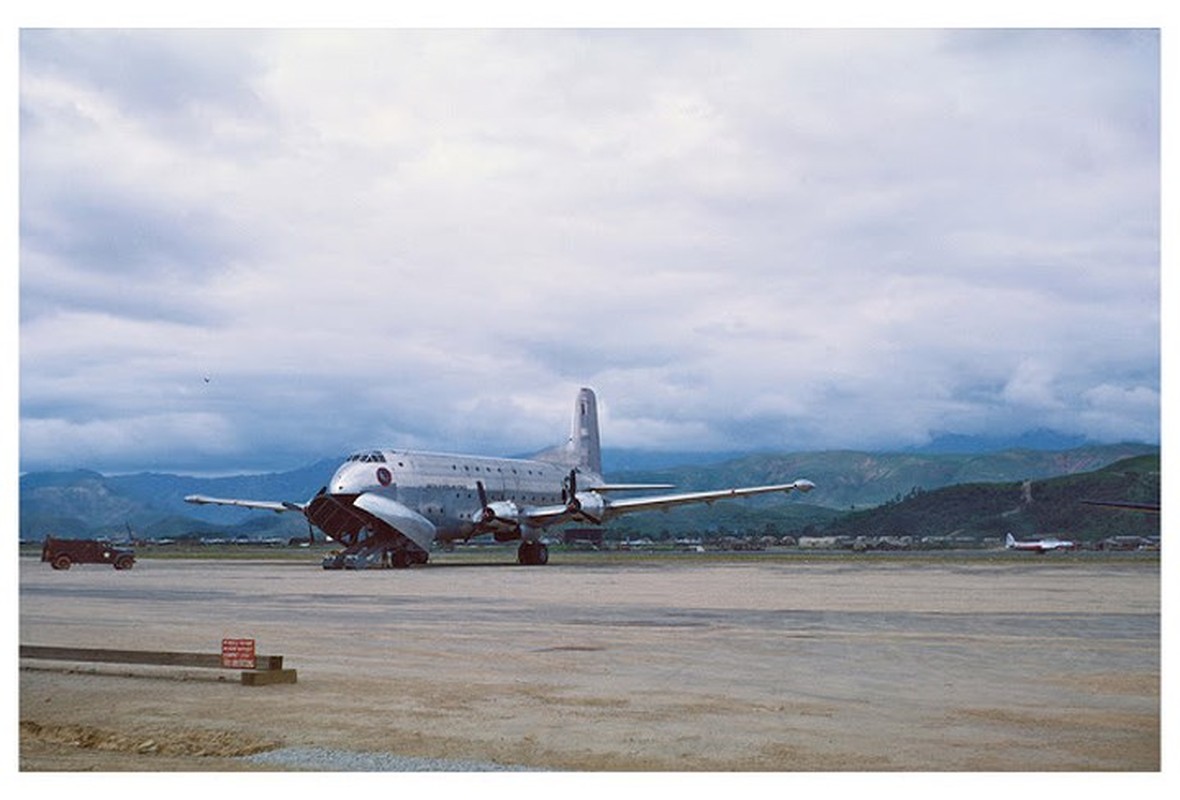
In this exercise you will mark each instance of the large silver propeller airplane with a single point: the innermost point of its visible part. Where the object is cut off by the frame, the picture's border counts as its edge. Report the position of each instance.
(389, 506)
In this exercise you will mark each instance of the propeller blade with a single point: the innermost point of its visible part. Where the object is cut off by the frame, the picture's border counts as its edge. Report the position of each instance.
(486, 515)
(573, 504)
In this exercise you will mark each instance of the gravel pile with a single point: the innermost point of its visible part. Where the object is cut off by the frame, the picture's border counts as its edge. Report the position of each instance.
(322, 759)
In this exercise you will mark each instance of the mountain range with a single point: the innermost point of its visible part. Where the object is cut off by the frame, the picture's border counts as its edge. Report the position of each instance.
(84, 503)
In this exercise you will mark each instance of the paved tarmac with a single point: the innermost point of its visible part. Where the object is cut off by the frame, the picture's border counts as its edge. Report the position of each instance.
(681, 663)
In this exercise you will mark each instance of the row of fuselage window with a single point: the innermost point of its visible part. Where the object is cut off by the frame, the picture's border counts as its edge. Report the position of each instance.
(536, 498)
(499, 470)
(379, 458)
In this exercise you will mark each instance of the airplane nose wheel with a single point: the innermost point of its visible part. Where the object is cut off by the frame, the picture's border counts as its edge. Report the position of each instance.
(532, 554)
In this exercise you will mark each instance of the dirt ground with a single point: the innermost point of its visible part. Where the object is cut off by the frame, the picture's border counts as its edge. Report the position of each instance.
(676, 664)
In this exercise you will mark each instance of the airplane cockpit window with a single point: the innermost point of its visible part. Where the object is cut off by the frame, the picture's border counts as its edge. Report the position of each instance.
(372, 457)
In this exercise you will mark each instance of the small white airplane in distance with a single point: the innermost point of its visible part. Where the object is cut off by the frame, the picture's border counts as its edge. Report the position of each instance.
(1040, 545)
(389, 506)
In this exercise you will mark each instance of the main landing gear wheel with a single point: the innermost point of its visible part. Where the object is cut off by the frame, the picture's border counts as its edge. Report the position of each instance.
(407, 558)
(532, 554)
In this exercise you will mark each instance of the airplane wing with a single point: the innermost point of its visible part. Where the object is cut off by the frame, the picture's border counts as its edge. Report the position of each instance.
(1151, 508)
(590, 506)
(615, 508)
(629, 487)
(266, 505)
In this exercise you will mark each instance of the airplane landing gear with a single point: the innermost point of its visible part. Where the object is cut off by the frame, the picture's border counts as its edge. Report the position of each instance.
(532, 554)
(402, 558)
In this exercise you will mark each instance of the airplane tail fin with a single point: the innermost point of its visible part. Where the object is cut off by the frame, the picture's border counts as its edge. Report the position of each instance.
(582, 450)
(1009, 541)
(584, 432)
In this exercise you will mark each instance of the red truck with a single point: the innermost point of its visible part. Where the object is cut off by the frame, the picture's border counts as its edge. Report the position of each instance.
(63, 553)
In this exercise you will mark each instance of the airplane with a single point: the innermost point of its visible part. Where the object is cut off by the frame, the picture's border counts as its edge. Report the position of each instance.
(1045, 545)
(389, 506)
(1147, 508)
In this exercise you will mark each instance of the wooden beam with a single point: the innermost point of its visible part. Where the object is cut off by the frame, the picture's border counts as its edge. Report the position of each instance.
(158, 658)
(266, 677)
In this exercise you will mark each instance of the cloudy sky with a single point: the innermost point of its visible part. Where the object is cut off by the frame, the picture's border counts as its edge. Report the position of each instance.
(247, 250)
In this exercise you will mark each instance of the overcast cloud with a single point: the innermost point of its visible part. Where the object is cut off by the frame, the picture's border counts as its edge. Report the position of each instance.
(741, 239)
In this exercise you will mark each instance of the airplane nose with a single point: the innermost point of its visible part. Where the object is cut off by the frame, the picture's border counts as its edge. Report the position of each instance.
(360, 477)
(344, 478)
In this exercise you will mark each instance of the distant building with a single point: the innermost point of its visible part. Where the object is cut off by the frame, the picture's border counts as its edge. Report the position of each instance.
(818, 541)
(582, 536)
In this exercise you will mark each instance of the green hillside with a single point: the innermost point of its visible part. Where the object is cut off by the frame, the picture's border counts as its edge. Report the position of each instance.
(1025, 508)
(777, 516)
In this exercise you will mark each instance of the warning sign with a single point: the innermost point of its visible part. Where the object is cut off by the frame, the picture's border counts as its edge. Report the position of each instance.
(237, 654)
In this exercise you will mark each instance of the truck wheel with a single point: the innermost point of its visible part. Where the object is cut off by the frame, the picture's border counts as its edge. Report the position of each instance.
(61, 562)
(124, 562)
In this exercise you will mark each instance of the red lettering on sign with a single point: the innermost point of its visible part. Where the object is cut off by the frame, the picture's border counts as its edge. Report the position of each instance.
(238, 654)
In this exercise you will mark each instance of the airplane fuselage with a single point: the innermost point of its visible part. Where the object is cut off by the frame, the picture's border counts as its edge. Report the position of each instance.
(1046, 545)
(444, 488)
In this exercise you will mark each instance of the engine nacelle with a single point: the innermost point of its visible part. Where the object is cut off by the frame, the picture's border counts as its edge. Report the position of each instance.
(501, 518)
(505, 510)
(590, 505)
